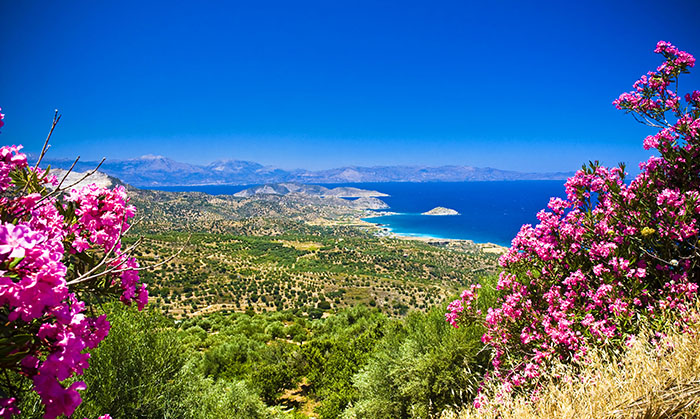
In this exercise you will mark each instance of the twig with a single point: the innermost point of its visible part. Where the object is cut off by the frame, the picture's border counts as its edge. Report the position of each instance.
(116, 269)
(67, 173)
(56, 118)
(57, 191)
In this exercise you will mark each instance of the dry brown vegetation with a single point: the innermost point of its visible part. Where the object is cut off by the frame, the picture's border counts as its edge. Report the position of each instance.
(647, 381)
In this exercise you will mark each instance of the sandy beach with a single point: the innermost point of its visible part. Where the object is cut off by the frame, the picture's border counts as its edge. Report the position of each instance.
(380, 230)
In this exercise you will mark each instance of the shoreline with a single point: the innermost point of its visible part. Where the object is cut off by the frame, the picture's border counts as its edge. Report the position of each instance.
(358, 218)
(383, 231)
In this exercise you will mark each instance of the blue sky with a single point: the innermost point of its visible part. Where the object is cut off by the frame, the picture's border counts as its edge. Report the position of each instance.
(513, 85)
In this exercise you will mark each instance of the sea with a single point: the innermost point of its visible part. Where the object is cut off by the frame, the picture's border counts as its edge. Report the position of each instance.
(490, 212)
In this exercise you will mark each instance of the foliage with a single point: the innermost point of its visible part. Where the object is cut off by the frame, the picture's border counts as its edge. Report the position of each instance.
(303, 272)
(57, 253)
(136, 369)
(157, 376)
(612, 252)
(420, 367)
(341, 346)
(274, 372)
(209, 399)
(234, 365)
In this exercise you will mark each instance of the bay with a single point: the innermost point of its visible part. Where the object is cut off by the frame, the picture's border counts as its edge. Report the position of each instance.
(490, 212)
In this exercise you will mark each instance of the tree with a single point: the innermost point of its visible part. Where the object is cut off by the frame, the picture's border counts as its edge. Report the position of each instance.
(420, 367)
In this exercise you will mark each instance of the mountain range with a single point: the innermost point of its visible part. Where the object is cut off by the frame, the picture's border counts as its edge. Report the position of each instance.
(155, 171)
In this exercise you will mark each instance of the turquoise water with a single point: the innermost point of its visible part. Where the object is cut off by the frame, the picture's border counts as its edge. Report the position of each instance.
(489, 211)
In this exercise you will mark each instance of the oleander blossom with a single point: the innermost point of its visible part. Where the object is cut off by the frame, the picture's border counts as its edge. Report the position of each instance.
(611, 252)
(103, 216)
(457, 307)
(7, 406)
(10, 159)
(50, 248)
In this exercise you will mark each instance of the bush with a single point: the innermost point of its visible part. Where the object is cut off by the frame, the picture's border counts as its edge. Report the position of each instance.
(420, 367)
(612, 252)
(209, 399)
(136, 371)
(653, 377)
(341, 346)
(60, 253)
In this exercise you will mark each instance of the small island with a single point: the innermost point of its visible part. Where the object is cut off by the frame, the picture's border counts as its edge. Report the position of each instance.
(441, 211)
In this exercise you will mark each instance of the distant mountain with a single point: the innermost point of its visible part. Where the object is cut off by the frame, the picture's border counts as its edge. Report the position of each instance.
(422, 174)
(155, 171)
(316, 190)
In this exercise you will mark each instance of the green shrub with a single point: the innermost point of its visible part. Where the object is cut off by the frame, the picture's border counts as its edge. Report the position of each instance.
(133, 372)
(421, 366)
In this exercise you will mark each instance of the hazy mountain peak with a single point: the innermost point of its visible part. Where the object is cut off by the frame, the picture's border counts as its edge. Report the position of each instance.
(155, 170)
(152, 157)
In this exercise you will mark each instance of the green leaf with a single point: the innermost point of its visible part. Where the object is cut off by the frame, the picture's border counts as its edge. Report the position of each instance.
(12, 343)
(15, 262)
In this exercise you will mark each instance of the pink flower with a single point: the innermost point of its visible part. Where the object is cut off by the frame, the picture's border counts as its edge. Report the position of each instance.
(34, 290)
(142, 297)
(15, 240)
(58, 400)
(7, 406)
(453, 311)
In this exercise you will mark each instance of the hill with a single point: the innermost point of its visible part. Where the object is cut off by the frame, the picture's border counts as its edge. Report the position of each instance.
(155, 171)
(316, 190)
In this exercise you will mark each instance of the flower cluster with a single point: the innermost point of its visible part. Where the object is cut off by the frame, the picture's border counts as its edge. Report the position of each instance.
(102, 218)
(54, 251)
(466, 301)
(651, 96)
(609, 253)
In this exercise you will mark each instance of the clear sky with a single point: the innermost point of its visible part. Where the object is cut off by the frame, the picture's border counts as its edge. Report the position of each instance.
(521, 85)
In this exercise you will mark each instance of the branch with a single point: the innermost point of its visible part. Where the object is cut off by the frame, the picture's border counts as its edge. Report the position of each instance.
(58, 191)
(56, 118)
(105, 258)
(116, 269)
(70, 169)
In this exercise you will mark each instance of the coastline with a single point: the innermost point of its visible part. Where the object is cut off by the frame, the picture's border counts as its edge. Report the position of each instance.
(374, 222)
(381, 230)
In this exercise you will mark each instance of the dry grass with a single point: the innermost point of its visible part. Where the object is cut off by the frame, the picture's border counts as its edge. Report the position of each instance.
(644, 383)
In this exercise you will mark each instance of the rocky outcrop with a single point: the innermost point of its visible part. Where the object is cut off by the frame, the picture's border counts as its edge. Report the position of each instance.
(78, 180)
(368, 203)
(350, 192)
(441, 211)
